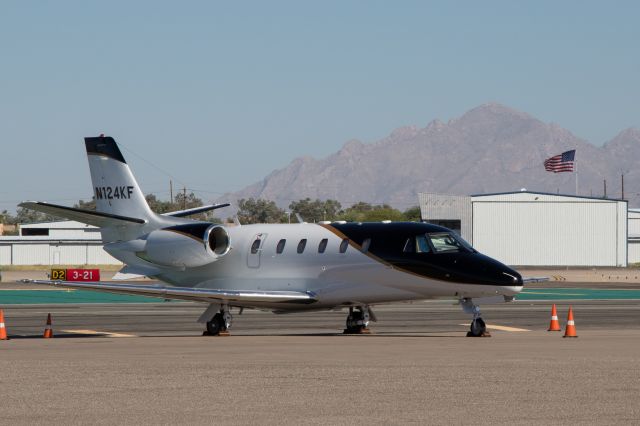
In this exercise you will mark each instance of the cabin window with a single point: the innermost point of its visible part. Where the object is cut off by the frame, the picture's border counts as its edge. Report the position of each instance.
(255, 246)
(323, 245)
(344, 245)
(365, 245)
(301, 245)
(280, 246)
(422, 246)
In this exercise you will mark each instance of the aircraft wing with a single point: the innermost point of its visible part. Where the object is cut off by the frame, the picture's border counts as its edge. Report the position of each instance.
(188, 293)
(89, 217)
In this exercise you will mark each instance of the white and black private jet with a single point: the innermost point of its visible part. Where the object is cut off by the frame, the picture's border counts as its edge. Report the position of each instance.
(277, 267)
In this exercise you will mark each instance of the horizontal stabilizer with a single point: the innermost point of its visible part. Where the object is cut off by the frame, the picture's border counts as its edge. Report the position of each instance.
(188, 293)
(196, 210)
(90, 217)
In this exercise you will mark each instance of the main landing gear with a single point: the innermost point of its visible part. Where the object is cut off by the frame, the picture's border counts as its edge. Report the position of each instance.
(478, 327)
(220, 324)
(358, 320)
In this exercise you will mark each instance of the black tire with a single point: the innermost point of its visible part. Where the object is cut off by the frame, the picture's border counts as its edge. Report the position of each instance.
(478, 327)
(352, 321)
(216, 325)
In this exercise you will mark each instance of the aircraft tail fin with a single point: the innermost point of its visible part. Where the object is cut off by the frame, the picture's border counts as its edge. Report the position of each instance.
(115, 188)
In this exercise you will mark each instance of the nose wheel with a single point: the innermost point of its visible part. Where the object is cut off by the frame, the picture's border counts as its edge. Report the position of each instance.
(478, 327)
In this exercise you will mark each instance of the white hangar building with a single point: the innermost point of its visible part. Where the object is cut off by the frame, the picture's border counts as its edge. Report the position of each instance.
(538, 229)
(634, 236)
(55, 243)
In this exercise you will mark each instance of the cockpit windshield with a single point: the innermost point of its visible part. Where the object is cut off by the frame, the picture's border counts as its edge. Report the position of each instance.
(436, 242)
(448, 242)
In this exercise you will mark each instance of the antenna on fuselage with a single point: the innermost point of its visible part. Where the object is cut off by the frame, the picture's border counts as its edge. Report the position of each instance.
(300, 219)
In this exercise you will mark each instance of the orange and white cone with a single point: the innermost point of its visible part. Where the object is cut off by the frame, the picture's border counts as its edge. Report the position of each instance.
(48, 332)
(3, 331)
(571, 325)
(554, 325)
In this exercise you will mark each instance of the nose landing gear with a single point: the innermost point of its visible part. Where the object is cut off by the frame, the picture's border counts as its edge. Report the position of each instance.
(478, 327)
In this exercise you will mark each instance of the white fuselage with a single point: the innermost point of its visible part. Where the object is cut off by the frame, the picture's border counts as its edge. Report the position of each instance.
(338, 279)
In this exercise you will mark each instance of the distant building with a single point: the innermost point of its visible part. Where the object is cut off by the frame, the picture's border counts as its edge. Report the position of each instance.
(634, 236)
(538, 229)
(55, 243)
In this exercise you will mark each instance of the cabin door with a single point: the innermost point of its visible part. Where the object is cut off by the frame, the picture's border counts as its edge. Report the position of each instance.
(255, 250)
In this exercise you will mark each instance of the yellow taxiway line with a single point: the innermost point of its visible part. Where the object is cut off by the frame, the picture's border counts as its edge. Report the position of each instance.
(99, 333)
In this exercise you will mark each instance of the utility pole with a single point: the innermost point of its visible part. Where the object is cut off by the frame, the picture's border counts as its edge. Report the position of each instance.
(605, 189)
(622, 177)
(184, 198)
(171, 191)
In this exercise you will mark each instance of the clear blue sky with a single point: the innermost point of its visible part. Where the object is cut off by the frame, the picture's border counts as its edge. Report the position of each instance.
(219, 94)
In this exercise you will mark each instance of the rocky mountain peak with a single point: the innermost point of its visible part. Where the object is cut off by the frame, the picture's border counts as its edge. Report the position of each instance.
(627, 136)
(491, 148)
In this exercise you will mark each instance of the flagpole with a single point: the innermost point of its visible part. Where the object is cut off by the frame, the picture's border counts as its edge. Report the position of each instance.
(575, 163)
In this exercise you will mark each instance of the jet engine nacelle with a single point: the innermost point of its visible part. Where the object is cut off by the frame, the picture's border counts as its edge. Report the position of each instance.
(186, 246)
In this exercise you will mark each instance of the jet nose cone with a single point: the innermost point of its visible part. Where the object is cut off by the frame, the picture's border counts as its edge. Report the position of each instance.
(511, 277)
(500, 274)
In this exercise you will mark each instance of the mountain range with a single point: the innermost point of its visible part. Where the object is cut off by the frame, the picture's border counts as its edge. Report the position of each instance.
(491, 148)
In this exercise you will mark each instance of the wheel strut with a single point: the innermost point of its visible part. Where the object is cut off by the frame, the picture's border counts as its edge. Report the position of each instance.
(478, 327)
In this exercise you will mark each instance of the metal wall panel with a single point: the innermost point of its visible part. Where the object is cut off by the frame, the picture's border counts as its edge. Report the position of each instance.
(31, 254)
(68, 254)
(5, 254)
(68, 234)
(571, 231)
(97, 256)
(622, 231)
(634, 251)
(44, 253)
(634, 223)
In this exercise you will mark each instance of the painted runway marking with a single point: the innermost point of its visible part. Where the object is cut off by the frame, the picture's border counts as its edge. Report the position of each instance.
(98, 333)
(502, 328)
(66, 290)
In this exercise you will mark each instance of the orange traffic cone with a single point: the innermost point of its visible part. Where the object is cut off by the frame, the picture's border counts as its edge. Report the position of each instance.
(554, 325)
(571, 325)
(48, 332)
(3, 331)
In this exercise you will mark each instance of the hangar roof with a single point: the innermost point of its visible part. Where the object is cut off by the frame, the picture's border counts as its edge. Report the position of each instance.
(541, 197)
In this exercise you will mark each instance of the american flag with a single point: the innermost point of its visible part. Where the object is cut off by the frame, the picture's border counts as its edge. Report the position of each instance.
(561, 162)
